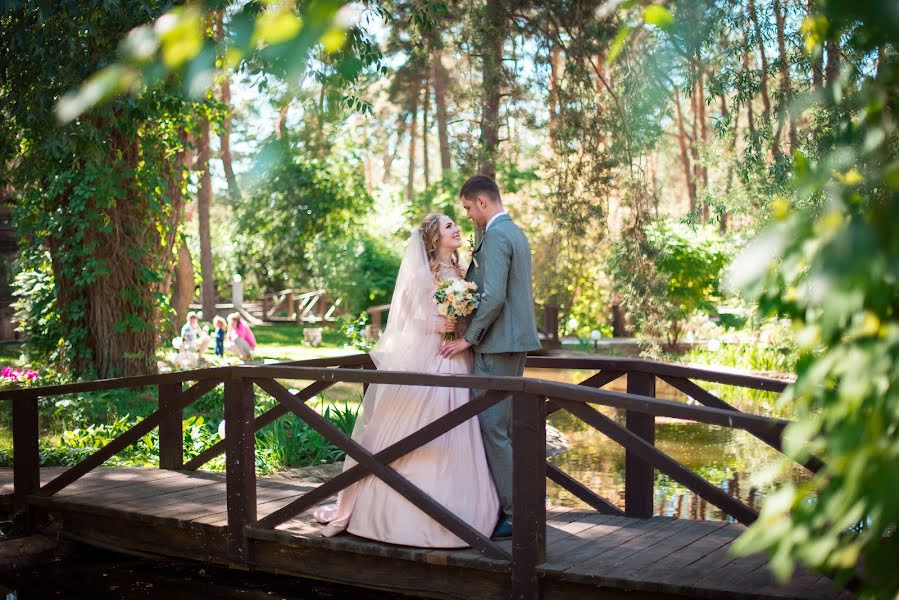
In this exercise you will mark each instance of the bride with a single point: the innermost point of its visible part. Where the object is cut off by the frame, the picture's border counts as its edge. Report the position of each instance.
(452, 469)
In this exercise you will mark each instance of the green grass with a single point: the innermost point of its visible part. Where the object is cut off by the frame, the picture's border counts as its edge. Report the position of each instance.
(285, 342)
(9, 355)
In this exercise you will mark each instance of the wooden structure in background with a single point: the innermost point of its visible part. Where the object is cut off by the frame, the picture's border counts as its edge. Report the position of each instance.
(315, 307)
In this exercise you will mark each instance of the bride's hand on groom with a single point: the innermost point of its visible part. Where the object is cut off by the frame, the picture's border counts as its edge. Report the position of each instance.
(450, 349)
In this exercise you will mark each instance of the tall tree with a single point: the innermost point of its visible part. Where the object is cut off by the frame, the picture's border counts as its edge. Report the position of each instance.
(204, 203)
(832, 70)
(413, 136)
(102, 196)
(494, 27)
(780, 14)
(440, 78)
(684, 143)
(225, 131)
(425, 126)
(750, 115)
(763, 76)
(817, 54)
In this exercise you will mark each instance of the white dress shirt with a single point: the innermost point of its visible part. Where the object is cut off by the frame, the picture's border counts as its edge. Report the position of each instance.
(492, 219)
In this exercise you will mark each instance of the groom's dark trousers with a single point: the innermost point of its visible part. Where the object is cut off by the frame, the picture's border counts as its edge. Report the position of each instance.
(496, 422)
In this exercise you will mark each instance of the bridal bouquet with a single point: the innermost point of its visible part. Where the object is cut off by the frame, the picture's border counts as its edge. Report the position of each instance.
(456, 298)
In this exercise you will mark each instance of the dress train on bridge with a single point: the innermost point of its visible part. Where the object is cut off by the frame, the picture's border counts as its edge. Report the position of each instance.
(452, 469)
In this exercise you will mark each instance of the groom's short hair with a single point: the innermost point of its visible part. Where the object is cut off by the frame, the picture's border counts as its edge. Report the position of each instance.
(480, 185)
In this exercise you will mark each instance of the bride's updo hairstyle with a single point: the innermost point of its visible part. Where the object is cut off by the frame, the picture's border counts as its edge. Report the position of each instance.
(430, 235)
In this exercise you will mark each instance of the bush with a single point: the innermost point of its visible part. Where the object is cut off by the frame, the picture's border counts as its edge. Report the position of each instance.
(665, 272)
(36, 311)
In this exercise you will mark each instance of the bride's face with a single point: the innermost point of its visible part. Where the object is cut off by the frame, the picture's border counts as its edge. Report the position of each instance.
(450, 236)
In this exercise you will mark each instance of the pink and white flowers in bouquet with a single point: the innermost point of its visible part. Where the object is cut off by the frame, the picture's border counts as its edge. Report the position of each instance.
(456, 298)
(17, 377)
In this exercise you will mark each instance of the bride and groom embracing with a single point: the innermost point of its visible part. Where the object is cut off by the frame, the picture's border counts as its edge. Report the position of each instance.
(468, 469)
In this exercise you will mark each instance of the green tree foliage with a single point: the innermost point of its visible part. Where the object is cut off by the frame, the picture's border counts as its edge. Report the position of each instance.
(302, 224)
(665, 272)
(102, 195)
(831, 264)
(359, 269)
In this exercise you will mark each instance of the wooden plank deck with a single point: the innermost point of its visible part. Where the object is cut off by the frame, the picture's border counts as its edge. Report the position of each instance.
(183, 514)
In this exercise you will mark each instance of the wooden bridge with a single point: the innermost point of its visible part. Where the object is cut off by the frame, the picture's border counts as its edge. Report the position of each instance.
(238, 520)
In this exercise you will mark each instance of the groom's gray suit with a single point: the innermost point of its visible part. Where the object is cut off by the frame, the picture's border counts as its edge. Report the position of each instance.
(502, 331)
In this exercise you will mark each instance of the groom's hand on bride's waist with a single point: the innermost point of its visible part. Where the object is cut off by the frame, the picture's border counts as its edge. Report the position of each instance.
(454, 347)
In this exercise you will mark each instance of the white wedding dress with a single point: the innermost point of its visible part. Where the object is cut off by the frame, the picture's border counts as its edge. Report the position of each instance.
(452, 469)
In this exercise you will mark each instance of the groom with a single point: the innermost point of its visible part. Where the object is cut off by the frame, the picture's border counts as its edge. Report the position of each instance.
(503, 328)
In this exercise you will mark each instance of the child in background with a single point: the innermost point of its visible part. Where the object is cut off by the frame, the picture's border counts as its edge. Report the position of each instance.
(193, 338)
(240, 339)
(220, 324)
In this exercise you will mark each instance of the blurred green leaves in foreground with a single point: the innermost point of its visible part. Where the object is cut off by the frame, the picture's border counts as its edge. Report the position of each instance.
(832, 267)
(183, 43)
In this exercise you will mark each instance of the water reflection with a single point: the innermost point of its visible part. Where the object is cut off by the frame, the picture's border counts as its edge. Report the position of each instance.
(725, 457)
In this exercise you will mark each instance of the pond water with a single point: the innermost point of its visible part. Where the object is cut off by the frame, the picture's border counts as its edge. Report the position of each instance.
(725, 457)
(97, 574)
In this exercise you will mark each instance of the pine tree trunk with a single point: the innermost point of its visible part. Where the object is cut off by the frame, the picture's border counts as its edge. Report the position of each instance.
(440, 78)
(703, 133)
(281, 122)
(181, 164)
(425, 109)
(832, 70)
(413, 134)
(225, 135)
(729, 177)
(320, 125)
(684, 153)
(390, 155)
(493, 78)
(763, 78)
(204, 202)
(694, 145)
(750, 118)
(183, 288)
(555, 66)
(780, 14)
(817, 57)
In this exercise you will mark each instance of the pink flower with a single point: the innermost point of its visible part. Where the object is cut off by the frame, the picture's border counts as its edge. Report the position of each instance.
(18, 375)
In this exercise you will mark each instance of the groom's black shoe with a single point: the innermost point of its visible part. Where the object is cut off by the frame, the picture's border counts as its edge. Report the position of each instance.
(503, 530)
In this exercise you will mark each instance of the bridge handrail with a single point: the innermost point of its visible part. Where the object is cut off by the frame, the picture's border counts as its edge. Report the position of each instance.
(162, 378)
(534, 399)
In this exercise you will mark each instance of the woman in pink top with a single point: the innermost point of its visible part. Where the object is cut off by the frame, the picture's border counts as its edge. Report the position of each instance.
(239, 340)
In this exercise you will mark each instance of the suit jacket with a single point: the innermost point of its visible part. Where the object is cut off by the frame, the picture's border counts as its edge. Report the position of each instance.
(504, 320)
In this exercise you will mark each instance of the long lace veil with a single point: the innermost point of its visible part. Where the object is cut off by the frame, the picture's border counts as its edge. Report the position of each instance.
(409, 322)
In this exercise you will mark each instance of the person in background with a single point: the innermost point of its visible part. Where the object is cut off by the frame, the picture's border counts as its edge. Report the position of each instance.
(220, 330)
(239, 340)
(193, 339)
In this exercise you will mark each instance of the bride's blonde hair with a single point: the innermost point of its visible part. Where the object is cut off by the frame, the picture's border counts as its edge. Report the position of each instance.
(430, 235)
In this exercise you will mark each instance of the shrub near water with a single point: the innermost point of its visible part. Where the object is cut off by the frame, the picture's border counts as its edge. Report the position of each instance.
(78, 425)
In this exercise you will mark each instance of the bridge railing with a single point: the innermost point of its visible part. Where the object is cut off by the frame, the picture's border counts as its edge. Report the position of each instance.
(533, 400)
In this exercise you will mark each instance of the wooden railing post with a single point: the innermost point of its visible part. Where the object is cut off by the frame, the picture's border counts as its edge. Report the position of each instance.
(171, 432)
(240, 463)
(291, 305)
(638, 474)
(26, 457)
(528, 493)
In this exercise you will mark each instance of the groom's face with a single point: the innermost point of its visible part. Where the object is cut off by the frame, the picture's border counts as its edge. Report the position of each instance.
(476, 210)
